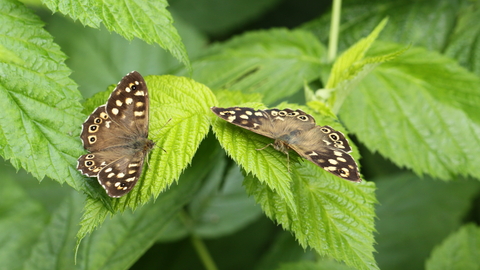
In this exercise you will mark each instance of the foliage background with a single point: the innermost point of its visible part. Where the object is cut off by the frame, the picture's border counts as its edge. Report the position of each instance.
(422, 209)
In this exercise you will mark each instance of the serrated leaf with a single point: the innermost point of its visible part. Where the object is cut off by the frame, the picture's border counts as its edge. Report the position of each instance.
(274, 63)
(148, 20)
(269, 165)
(120, 241)
(421, 111)
(41, 113)
(461, 251)
(333, 216)
(108, 52)
(352, 66)
(414, 216)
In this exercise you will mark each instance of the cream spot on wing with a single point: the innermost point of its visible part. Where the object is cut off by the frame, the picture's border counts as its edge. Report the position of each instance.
(118, 102)
(244, 122)
(139, 104)
(258, 113)
(279, 118)
(326, 142)
(108, 170)
(232, 112)
(333, 161)
(128, 90)
(108, 183)
(248, 112)
(115, 111)
(141, 113)
(139, 93)
(231, 118)
(133, 165)
(130, 179)
(120, 175)
(107, 124)
(129, 101)
(255, 125)
(243, 116)
(321, 160)
(132, 171)
(313, 154)
(110, 175)
(137, 83)
(330, 168)
(117, 184)
(341, 159)
(337, 153)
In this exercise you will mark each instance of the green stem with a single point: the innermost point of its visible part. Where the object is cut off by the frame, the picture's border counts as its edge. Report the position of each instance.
(202, 252)
(334, 30)
(197, 243)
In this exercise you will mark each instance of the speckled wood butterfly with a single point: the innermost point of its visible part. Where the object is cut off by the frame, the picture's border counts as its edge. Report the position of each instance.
(297, 130)
(116, 135)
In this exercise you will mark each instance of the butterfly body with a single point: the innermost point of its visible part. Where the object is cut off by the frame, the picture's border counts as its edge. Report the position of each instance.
(116, 135)
(296, 130)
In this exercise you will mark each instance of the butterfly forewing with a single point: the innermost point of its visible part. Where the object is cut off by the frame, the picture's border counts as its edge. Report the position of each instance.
(297, 130)
(128, 104)
(116, 136)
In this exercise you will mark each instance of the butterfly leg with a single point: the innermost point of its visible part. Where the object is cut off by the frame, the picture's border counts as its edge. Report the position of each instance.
(270, 144)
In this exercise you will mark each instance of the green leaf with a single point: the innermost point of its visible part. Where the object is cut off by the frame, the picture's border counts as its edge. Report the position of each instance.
(223, 16)
(352, 66)
(419, 110)
(41, 114)
(22, 220)
(421, 23)
(414, 216)
(274, 63)
(112, 55)
(463, 44)
(222, 207)
(147, 20)
(461, 251)
(269, 165)
(333, 216)
(310, 265)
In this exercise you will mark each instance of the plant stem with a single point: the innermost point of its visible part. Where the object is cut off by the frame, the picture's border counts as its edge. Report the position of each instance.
(334, 30)
(197, 243)
(202, 252)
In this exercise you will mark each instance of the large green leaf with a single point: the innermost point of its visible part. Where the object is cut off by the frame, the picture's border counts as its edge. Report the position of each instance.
(333, 216)
(148, 20)
(275, 63)
(419, 110)
(421, 23)
(41, 114)
(415, 214)
(460, 251)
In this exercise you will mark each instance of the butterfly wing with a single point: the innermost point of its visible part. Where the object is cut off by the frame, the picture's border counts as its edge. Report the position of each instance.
(272, 123)
(328, 149)
(120, 176)
(128, 105)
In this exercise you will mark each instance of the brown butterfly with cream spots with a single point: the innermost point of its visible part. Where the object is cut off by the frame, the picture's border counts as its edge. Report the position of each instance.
(297, 130)
(116, 135)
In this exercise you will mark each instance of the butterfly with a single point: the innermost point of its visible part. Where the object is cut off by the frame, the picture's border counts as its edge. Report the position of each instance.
(116, 135)
(294, 129)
